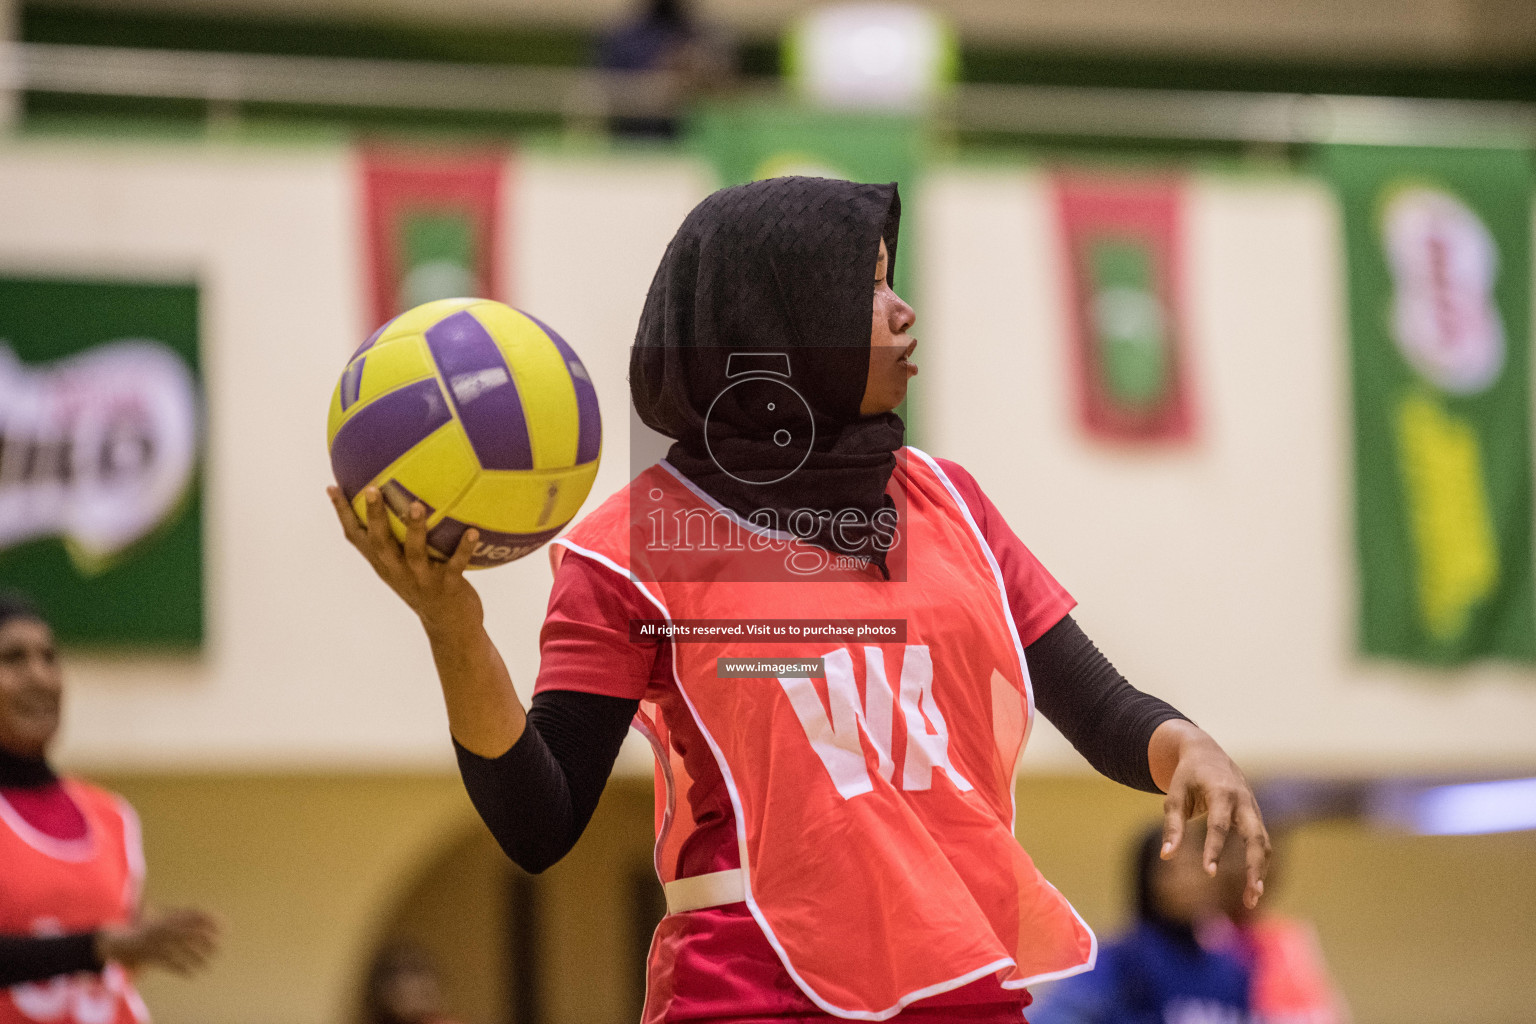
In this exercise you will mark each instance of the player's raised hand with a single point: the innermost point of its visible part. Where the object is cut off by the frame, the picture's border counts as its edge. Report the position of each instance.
(1205, 781)
(435, 590)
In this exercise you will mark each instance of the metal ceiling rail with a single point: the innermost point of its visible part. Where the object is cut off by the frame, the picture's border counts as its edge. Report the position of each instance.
(1243, 116)
(226, 80)
(234, 78)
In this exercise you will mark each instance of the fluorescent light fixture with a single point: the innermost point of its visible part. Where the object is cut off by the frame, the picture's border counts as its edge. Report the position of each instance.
(1473, 808)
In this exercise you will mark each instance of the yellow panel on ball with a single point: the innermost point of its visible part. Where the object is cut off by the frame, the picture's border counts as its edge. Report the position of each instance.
(517, 511)
(416, 320)
(436, 471)
(525, 502)
(386, 367)
(543, 383)
(377, 371)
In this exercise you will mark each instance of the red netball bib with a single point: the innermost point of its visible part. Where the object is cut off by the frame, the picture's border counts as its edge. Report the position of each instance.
(874, 804)
(51, 887)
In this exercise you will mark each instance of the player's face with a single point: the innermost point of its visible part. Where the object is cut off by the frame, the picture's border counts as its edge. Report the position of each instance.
(1232, 882)
(31, 687)
(1182, 889)
(890, 349)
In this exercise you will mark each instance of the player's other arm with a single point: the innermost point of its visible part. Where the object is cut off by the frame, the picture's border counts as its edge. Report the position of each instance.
(1143, 742)
(182, 941)
(1126, 734)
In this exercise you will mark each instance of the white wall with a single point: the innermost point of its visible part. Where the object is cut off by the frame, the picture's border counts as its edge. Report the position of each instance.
(1218, 576)
(309, 660)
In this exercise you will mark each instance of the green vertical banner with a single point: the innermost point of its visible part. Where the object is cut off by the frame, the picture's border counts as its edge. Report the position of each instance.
(748, 142)
(100, 420)
(1439, 251)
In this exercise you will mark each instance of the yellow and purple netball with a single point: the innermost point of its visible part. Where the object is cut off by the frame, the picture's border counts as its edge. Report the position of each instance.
(478, 411)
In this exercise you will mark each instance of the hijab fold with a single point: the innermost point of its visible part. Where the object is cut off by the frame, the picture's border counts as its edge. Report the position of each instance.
(780, 275)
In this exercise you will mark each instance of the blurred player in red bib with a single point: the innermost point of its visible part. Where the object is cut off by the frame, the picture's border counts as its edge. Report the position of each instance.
(70, 926)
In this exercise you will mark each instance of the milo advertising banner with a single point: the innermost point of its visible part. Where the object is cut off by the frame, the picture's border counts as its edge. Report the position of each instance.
(1439, 249)
(100, 518)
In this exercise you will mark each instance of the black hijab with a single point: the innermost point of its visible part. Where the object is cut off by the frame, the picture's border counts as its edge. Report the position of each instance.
(778, 274)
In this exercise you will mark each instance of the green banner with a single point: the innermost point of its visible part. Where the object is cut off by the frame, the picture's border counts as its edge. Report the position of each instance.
(749, 141)
(100, 510)
(1439, 251)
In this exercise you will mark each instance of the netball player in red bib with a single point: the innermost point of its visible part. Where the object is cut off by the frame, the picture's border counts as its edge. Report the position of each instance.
(835, 643)
(71, 864)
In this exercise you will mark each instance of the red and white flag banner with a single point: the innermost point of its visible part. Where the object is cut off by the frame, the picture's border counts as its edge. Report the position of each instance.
(1123, 255)
(431, 226)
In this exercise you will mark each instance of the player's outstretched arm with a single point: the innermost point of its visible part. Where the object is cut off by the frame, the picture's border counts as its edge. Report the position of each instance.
(484, 713)
(1199, 778)
(182, 941)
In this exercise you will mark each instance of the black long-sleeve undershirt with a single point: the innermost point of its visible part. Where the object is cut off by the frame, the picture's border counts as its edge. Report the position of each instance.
(25, 958)
(537, 798)
(1103, 716)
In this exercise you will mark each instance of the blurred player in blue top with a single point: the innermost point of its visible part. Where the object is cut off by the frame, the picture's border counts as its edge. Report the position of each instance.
(1157, 973)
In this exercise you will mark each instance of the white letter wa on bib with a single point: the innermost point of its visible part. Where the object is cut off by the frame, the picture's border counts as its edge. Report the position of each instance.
(835, 736)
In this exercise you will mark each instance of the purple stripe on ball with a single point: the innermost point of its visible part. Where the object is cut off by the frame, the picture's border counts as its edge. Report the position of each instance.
(351, 383)
(385, 429)
(590, 439)
(482, 390)
(491, 548)
(365, 346)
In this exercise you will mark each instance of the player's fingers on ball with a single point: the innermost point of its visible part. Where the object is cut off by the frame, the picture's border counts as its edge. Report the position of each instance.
(378, 521)
(416, 537)
(380, 538)
(464, 552)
